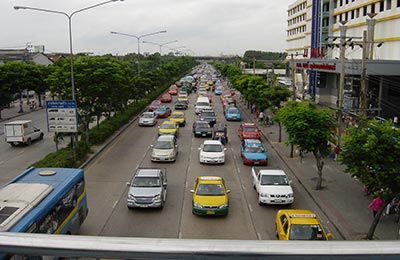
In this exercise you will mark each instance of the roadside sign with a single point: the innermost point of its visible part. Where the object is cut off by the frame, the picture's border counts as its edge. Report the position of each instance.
(61, 116)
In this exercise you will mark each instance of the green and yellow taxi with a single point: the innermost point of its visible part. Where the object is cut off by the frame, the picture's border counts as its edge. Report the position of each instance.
(178, 117)
(210, 196)
(299, 224)
(168, 128)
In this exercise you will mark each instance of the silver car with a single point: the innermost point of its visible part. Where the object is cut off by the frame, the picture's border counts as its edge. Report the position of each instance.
(164, 149)
(148, 188)
(147, 119)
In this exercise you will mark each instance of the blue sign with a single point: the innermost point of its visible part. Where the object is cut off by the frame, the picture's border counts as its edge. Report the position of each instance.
(62, 116)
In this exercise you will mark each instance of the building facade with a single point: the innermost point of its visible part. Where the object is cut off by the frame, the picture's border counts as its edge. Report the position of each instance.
(339, 44)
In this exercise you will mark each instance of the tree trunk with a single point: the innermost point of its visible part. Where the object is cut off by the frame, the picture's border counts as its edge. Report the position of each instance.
(371, 231)
(320, 166)
(291, 150)
(280, 132)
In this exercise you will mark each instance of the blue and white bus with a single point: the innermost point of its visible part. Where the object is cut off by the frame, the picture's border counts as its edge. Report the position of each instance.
(44, 200)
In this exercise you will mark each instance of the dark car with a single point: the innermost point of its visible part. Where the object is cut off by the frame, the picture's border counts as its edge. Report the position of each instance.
(208, 116)
(181, 105)
(202, 128)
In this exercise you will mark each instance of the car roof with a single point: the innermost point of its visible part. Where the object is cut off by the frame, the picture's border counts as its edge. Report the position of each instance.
(249, 124)
(210, 179)
(167, 138)
(252, 141)
(168, 122)
(300, 216)
(212, 142)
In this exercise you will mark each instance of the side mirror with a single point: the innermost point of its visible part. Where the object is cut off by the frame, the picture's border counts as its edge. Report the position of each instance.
(329, 235)
(290, 181)
(224, 149)
(151, 146)
(158, 126)
(128, 184)
(191, 191)
(228, 191)
(199, 148)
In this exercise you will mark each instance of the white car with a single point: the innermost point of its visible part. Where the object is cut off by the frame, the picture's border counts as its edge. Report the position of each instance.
(148, 119)
(212, 152)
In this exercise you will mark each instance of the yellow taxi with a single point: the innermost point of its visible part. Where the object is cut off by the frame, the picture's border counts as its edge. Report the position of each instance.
(299, 224)
(178, 117)
(168, 128)
(183, 96)
(210, 196)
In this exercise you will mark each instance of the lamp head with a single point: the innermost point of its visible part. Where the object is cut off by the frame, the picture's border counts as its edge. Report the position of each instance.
(18, 7)
(164, 31)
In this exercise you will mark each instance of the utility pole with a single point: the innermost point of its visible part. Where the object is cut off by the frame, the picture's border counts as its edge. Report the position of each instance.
(364, 86)
(343, 29)
(292, 66)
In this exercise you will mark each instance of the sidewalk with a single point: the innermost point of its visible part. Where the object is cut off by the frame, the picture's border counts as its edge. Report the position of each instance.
(12, 112)
(341, 198)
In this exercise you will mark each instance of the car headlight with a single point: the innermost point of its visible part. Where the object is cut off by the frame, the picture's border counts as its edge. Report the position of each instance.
(197, 205)
(290, 195)
(263, 194)
(157, 197)
(131, 197)
(225, 205)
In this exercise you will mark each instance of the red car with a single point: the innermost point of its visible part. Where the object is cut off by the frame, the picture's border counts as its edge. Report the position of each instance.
(153, 106)
(166, 98)
(249, 131)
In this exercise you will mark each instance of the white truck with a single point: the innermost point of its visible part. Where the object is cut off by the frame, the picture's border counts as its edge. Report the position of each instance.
(272, 186)
(21, 132)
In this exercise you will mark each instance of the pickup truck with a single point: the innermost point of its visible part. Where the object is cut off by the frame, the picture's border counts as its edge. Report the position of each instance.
(21, 132)
(148, 188)
(272, 186)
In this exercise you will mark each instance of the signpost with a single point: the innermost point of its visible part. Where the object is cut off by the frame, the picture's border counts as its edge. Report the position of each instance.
(62, 116)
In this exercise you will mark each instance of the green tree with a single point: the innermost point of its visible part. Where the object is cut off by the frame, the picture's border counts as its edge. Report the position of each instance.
(310, 128)
(371, 153)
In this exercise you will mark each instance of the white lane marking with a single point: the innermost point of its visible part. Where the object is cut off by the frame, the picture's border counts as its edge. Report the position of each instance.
(250, 208)
(180, 235)
(238, 169)
(115, 204)
(243, 187)
(259, 236)
(21, 152)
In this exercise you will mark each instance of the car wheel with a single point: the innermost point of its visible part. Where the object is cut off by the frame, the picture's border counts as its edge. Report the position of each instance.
(41, 137)
(129, 208)
(12, 144)
(29, 142)
(259, 201)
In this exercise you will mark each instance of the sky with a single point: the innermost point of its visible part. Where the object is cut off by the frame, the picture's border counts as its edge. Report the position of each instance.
(199, 27)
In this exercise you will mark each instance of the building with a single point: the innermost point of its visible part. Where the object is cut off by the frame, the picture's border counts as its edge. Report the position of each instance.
(340, 44)
(24, 55)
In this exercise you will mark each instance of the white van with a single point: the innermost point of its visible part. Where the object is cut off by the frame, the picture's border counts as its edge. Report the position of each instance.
(202, 103)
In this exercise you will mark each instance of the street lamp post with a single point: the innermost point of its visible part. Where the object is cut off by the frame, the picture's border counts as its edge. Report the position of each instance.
(160, 44)
(69, 16)
(138, 43)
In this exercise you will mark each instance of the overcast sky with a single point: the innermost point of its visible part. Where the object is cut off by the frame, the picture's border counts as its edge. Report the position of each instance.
(205, 27)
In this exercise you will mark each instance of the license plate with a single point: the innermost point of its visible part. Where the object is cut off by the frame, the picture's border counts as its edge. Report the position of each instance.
(203, 134)
(210, 212)
(278, 201)
(256, 162)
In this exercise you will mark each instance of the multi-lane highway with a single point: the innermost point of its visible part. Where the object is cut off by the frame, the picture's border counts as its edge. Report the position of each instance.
(107, 174)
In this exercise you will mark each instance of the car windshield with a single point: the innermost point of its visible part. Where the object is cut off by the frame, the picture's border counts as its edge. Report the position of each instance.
(274, 180)
(210, 190)
(249, 129)
(202, 104)
(177, 115)
(306, 232)
(147, 115)
(233, 110)
(160, 108)
(203, 125)
(146, 182)
(203, 114)
(216, 148)
(254, 149)
(163, 145)
(168, 126)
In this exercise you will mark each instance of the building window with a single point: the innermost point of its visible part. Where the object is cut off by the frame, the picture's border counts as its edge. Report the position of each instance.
(357, 13)
(365, 10)
(398, 3)
(381, 6)
(352, 14)
(373, 8)
(388, 4)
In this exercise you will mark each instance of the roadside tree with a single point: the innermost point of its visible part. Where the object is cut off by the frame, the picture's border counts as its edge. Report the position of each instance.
(371, 153)
(310, 128)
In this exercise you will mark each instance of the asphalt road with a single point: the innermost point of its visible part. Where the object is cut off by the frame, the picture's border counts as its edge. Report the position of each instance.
(107, 174)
